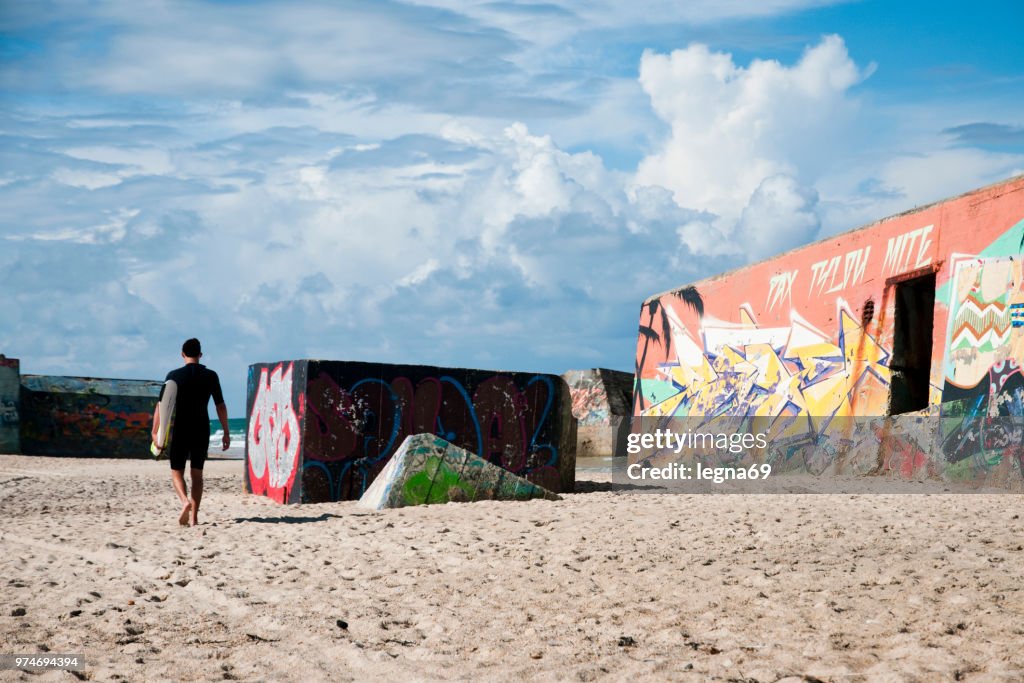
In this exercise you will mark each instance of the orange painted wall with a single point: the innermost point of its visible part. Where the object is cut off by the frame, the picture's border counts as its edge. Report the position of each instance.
(786, 335)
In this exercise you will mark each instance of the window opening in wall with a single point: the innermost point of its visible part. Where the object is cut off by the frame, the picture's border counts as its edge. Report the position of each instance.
(911, 361)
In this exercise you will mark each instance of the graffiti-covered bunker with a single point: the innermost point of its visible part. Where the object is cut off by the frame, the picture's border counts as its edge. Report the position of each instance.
(920, 314)
(86, 416)
(322, 430)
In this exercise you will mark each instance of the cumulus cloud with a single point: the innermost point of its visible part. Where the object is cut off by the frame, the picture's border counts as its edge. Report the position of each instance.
(781, 215)
(460, 247)
(733, 127)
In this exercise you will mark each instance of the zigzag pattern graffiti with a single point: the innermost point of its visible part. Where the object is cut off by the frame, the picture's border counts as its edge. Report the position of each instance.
(773, 372)
(981, 324)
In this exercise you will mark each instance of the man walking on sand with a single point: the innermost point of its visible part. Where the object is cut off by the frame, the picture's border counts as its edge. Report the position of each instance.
(190, 434)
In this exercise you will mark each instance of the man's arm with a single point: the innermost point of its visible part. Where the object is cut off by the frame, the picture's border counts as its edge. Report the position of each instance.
(222, 410)
(222, 415)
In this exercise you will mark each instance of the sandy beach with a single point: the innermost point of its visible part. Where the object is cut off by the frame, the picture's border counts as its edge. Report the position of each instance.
(600, 585)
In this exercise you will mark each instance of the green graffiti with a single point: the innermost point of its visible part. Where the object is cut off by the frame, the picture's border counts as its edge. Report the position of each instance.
(436, 483)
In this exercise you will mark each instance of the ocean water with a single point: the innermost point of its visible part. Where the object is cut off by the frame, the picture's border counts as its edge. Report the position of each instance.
(237, 430)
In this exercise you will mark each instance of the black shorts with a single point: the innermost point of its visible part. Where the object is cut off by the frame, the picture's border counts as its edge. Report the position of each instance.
(192, 449)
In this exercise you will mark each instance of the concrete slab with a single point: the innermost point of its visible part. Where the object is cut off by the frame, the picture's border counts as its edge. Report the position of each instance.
(426, 469)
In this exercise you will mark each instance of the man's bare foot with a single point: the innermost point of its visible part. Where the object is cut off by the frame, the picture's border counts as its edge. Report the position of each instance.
(185, 512)
(194, 510)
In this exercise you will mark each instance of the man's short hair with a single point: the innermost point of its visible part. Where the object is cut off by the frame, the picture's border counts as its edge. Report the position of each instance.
(191, 348)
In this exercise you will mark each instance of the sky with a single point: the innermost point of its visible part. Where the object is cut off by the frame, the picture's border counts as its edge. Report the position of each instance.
(492, 184)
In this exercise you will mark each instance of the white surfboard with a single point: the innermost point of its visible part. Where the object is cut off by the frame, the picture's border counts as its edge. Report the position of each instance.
(165, 420)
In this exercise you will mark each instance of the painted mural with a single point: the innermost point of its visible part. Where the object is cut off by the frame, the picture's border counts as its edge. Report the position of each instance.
(599, 394)
(983, 380)
(601, 403)
(86, 417)
(323, 430)
(747, 369)
(809, 339)
(274, 436)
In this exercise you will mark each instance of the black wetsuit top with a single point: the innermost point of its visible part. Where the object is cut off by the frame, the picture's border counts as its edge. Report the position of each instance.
(196, 385)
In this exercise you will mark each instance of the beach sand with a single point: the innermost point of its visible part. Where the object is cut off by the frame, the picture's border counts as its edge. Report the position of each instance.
(600, 585)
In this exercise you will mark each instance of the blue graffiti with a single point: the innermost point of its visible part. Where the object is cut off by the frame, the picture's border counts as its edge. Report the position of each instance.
(348, 477)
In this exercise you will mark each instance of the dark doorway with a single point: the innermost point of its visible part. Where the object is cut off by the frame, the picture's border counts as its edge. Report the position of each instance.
(911, 361)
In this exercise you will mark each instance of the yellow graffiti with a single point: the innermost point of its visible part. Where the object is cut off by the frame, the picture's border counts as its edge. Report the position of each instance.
(743, 369)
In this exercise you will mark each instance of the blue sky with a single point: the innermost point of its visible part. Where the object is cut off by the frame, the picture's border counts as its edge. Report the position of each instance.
(483, 184)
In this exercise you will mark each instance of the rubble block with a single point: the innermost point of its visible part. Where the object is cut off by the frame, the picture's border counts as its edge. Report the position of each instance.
(602, 403)
(427, 469)
(10, 388)
(321, 431)
(87, 417)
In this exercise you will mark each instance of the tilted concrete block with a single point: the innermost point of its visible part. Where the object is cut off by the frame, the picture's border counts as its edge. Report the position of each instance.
(427, 469)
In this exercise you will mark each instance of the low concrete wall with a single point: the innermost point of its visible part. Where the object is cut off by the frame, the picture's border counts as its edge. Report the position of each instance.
(86, 417)
(322, 430)
(602, 402)
(10, 389)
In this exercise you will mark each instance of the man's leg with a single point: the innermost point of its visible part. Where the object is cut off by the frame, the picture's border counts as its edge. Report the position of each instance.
(197, 493)
(178, 479)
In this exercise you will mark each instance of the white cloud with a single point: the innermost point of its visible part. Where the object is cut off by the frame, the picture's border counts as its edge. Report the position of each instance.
(420, 273)
(139, 159)
(889, 184)
(90, 180)
(702, 238)
(732, 127)
(944, 172)
(781, 215)
(463, 249)
(112, 230)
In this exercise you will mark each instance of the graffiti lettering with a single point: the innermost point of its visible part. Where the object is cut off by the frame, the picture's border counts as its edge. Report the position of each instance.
(823, 273)
(8, 412)
(351, 433)
(900, 256)
(274, 438)
(780, 288)
(744, 372)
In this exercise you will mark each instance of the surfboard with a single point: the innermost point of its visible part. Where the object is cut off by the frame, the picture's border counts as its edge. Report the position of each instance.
(165, 420)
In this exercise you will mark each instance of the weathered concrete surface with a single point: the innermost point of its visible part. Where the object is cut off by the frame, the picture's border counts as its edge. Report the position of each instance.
(86, 416)
(322, 430)
(10, 390)
(602, 405)
(814, 336)
(427, 469)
